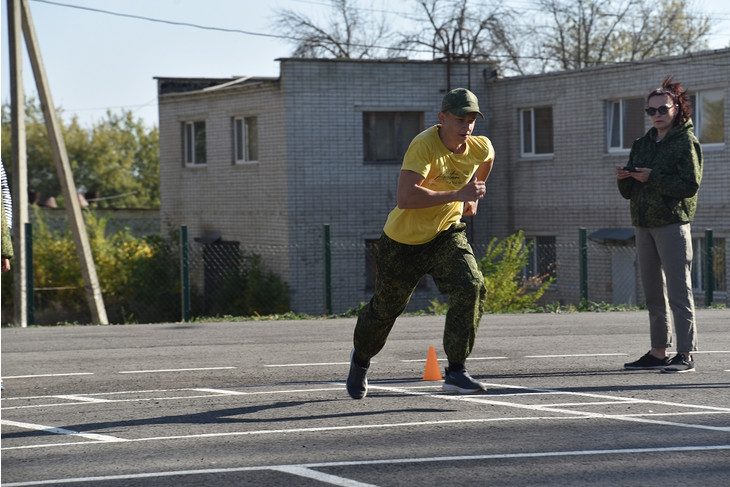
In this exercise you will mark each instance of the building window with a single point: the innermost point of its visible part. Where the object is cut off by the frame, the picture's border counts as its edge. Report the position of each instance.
(541, 260)
(708, 115)
(194, 143)
(387, 135)
(699, 261)
(536, 133)
(625, 123)
(246, 139)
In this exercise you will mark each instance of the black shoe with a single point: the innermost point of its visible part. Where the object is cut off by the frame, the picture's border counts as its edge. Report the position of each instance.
(680, 364)
(461, 382)
(357, 380)
(647, 362)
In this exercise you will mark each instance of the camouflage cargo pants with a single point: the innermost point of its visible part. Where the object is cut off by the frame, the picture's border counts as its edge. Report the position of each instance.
(450, 260)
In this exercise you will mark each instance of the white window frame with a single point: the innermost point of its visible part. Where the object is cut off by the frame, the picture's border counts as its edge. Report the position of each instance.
(190, 135)
(612, 124)
(698, 116)
(531, 153)
(242, 143)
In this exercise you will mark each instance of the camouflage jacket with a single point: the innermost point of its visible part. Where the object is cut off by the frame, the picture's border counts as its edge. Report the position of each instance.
(670, 194)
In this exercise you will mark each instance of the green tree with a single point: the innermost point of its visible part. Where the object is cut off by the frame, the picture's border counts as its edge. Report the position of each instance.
(116, 157)
(507, 289)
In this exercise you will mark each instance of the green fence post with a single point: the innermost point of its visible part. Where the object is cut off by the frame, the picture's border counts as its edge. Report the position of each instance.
(583, 264)
(327, 271)
(709, 268)
(185, 273)
(30, 293)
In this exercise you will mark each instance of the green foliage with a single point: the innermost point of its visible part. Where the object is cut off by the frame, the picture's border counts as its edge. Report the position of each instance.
(246, 289)
(583, 306)
(139, 279)
(353, 312)
(507, 289)
(134, 274)
(116, 157)
(438, 308)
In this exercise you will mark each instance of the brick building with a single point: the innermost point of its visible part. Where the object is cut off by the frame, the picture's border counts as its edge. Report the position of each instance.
(264, 164)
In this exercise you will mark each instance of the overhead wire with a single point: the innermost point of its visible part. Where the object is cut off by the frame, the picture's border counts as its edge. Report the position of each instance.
(287, 37)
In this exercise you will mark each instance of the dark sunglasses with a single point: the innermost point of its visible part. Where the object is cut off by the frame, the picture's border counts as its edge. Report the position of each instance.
(663, 110)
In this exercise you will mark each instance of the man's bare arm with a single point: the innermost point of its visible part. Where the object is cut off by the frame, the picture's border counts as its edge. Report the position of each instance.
(412, 195)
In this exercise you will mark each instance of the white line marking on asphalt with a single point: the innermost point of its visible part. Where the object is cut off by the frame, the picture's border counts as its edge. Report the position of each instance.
(47, 375)
(591, 403)
(83, 398)
(486, 358)
(582, 414)
(173, 370)
(222, 392)
(481, 399)
(76, 403)
(393, 461)
(579, 355)
(61, 431)
(301, 471)
(313, 364)
(471, 359)
(304, 430)
(207, 394)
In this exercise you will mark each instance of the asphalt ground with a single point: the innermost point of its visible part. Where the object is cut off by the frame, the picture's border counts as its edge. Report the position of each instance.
(263, 403)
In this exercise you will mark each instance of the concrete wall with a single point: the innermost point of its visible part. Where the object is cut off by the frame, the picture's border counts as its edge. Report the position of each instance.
(311, 170)
(576, 187)
(328, 180)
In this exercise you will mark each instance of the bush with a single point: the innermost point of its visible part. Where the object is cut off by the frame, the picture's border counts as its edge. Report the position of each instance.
(246, 289)
(139, 279)
(507, 289)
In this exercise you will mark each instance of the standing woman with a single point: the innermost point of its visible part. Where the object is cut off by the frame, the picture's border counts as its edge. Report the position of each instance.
(662, 179)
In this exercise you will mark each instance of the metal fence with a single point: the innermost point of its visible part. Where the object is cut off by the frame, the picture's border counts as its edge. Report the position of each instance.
(192, 279)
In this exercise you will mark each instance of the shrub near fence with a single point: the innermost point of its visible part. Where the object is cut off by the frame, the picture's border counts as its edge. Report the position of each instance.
(141, 276)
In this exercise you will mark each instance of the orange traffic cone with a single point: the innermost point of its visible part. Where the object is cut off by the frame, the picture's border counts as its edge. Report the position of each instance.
(433, 371)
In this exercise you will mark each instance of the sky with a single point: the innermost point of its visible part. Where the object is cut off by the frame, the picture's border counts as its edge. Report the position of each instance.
(97, 61)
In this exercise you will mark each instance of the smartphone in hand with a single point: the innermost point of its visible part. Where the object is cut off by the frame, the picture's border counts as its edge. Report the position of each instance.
(630, 169)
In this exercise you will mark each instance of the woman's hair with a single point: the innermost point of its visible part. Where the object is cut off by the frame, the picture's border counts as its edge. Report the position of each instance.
(679, 97)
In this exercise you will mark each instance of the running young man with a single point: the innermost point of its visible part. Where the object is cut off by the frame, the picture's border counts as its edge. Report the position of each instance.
(442, 178)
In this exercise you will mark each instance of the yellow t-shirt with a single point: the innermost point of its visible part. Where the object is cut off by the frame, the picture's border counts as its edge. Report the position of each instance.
(443, 171)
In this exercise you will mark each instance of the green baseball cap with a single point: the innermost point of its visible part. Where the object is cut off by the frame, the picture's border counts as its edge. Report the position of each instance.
(461, 101)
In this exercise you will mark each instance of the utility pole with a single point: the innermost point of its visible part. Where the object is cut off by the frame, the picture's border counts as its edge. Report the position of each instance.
(63, 168)
(19, 187)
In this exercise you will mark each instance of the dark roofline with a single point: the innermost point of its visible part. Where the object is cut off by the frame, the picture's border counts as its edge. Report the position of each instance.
(381, 60)
(626, 64)
(169, 85)
(172, 85)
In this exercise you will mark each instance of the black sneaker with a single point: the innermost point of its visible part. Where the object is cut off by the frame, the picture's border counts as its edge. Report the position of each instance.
(647, 362)
(357, 380)
(680, 364)
(461, 382)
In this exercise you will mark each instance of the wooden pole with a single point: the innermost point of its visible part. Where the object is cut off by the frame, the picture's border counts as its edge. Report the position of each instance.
(70, 195)
(19, 183)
